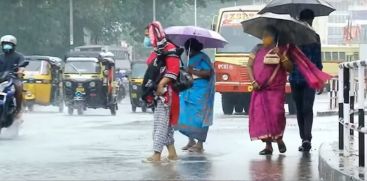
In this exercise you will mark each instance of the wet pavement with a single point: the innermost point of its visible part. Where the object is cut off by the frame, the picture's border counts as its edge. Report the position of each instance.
(97, 146)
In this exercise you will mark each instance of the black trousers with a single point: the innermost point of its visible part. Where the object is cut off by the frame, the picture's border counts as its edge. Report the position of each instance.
(304, 97)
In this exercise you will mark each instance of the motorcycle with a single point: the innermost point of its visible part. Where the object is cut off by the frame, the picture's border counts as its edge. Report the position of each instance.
(7, 97)
(121, 94)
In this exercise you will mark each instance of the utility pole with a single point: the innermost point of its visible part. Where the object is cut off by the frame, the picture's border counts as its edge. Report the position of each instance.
(154, 11)
(196, 12)
(71, 23)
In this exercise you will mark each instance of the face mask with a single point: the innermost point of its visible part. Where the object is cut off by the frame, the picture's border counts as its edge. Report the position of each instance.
(147, 42)
(267, 41)
(7, 47)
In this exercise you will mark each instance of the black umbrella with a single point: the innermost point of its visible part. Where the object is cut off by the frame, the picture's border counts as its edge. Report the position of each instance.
(289, 29)
(294, 7)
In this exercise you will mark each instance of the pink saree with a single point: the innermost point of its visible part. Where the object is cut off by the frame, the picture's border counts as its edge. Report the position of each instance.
(267, 114)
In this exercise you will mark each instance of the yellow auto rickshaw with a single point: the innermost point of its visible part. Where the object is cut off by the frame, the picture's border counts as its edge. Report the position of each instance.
(89, 82)
(43, 82)
(135, 85)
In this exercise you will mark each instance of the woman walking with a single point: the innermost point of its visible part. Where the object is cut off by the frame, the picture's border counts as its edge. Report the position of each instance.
(268, 78)
(167, 110)
(196, 103)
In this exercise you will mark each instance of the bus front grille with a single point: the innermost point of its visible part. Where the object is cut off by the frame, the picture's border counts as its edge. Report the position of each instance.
(244, 74)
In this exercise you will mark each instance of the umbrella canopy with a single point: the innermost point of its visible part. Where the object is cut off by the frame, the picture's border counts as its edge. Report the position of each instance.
(289, 29)
(294, 7)
(180, 34)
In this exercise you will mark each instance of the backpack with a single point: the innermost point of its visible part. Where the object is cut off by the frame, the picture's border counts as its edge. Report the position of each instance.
(156, 70)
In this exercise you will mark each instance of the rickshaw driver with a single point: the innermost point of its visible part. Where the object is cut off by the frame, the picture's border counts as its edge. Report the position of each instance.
(10, 61)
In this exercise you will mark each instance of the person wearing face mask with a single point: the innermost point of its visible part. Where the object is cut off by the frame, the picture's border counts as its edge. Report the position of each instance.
(10, 61)
(196, 103)
(162, 71)
(266, 114)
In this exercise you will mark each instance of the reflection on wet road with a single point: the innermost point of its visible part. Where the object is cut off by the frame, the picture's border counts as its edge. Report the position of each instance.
(97, 146)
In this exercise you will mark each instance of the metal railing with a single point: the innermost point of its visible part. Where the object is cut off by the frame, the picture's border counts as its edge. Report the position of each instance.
(349, 89)
(333, 93)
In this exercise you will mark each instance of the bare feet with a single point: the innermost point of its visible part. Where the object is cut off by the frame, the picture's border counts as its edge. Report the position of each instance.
(190, 144)
(155, 158)
(172, 155)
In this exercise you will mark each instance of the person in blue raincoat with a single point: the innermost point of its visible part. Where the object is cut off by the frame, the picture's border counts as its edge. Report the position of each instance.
(196, 103)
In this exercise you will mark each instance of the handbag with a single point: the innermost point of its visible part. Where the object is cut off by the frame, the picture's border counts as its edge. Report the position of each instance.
(272, 58)
(184, 80)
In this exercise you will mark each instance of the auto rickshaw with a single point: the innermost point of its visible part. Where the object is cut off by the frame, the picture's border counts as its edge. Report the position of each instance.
(135, 85)
(43, 82)
(89, 82)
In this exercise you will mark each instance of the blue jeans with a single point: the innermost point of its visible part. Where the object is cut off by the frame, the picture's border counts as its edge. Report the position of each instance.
(304, 97)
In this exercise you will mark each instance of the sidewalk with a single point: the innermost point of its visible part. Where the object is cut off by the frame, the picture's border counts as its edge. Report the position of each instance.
(334, 166)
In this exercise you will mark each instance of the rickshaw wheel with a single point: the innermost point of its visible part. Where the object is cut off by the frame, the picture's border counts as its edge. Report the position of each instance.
(113, 110)
(133, 108)
(80, 111)
(30, 107)
(144, 108)
(61, 108)
(70, 110)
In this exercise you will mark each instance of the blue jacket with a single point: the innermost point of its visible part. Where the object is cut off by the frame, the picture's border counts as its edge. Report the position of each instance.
(313, 52)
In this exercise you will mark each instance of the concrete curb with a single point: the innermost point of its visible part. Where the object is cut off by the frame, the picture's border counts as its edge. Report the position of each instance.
(326, 113)
(331, 167)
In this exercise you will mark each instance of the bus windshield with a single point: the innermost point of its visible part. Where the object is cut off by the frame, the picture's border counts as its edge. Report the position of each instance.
(82, 67)
(231, 29)
(238, 41)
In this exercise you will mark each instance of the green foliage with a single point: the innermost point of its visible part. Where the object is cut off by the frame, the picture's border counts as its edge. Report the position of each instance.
(42, 26)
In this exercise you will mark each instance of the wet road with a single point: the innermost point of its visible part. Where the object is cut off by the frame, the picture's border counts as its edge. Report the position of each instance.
(97, 146)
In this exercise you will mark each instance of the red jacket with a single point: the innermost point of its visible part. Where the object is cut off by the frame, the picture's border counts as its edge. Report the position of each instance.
(172, 72)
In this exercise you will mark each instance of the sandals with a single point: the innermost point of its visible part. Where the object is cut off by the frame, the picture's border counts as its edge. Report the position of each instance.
(266, 152)
(196, 149)
(282, 148)
(188, 146)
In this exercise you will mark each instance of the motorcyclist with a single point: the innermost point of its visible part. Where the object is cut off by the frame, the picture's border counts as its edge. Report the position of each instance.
(10, 60)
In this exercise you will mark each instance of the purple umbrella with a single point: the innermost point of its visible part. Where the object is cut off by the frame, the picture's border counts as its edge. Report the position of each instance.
(180, 34)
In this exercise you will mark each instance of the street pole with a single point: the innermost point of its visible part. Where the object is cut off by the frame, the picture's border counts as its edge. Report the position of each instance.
(154, 11)
(196, 12)
(71, 23)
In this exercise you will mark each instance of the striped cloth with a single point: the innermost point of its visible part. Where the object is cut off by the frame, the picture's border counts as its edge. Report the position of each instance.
(163, 131)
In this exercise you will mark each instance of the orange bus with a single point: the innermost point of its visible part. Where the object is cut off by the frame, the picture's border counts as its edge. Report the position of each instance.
(230, 62)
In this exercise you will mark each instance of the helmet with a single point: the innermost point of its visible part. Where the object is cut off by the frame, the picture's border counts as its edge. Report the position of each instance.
(8, 39)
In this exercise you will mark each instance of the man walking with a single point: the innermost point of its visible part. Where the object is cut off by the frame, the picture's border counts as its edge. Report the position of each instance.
(303, 94)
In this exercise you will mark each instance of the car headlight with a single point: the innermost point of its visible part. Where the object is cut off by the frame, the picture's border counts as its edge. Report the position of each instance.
(225, 77)
(92, 84)
(135, 87)
(68, 84)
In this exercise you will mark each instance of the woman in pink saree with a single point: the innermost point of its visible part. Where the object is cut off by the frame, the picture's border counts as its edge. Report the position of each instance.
(267, 115)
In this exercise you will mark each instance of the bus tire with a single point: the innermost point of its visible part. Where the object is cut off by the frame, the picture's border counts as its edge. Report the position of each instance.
(247, 100)
(227, 104)
(239, 107)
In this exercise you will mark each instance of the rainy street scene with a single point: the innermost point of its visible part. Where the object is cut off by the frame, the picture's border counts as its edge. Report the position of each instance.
(248, 90)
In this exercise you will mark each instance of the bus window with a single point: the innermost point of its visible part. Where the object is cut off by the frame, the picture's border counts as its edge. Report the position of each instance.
(335, 56)
(323, 56)
(342, 56)
(356, 55)
(327, 56)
